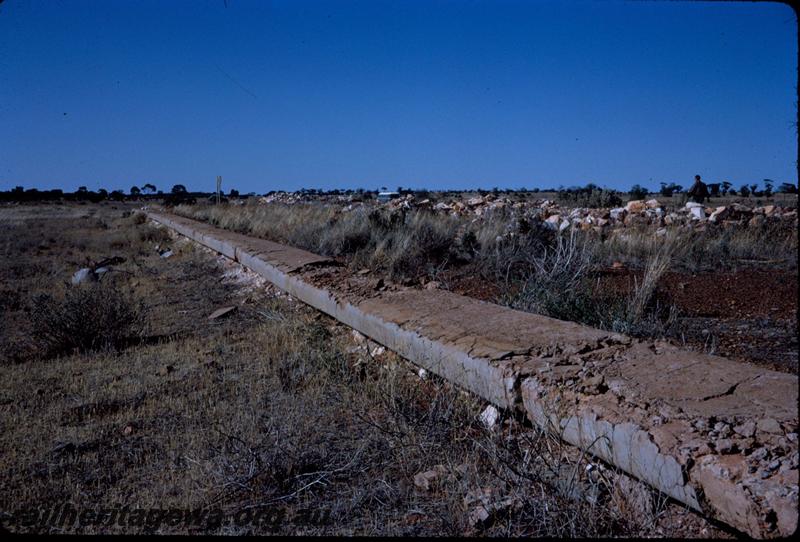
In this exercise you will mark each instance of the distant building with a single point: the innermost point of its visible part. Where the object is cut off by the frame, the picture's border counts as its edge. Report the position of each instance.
(383, 197)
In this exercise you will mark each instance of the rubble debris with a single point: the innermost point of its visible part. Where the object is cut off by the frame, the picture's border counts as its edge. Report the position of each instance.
(95, 271)
(485, 504)
(83, 275)
(377, 351)
(489, 417)
(553, 216)
(426, 480)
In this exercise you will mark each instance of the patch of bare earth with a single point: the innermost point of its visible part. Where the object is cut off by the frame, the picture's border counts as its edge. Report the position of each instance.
(748, 314)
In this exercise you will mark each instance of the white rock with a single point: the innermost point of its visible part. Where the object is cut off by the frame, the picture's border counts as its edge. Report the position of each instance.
(617, 213)
(82, 275)
(489, 416)
(698, 213)
(377, 351)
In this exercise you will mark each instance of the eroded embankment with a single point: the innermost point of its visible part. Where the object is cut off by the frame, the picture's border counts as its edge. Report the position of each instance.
(715, 434)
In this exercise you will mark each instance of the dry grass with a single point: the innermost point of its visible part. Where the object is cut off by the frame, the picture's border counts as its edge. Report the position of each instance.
(657, 264)
(89, 317)
(272, 412)
(700, 251)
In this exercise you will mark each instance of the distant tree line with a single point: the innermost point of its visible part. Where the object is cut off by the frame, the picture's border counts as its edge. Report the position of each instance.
(590, 195)
(148, 191)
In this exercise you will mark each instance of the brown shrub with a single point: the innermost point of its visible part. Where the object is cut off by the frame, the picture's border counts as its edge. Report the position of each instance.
(88, 317)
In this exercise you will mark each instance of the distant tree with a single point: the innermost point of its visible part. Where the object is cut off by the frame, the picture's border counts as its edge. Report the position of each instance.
(754, 189)
(726, 186)
(82, 190)
(117, 195)
(768, 187)
(103, 193)
(787, 188)
(744, 191)
(234, 193)
(668, 189)
(135, 191)
(638, 192)
(178, 189)
(151, 188)
(713, 189)
(732, 192)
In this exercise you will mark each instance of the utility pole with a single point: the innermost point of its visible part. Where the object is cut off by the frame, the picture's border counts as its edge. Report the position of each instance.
(219, 187)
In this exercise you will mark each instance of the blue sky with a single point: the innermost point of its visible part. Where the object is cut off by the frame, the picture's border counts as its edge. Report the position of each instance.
(430, 94)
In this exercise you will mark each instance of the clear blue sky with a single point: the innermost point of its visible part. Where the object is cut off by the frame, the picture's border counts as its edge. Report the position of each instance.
(459, 94)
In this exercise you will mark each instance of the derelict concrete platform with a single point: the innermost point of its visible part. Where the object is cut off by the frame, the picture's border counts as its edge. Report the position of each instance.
(716, 434)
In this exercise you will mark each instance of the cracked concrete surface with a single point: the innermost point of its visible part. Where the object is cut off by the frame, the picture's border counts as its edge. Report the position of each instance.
(715, 434)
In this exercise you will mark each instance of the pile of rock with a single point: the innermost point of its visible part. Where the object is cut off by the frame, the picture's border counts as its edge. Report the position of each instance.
(635, 213)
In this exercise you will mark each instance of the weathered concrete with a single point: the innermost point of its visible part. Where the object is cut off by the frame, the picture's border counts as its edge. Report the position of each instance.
(715, 434)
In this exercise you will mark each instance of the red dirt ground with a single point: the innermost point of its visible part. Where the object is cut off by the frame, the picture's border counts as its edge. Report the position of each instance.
(747, 314)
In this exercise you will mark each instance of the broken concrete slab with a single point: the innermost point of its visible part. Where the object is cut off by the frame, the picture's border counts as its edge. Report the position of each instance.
(221, 312)
(664, 415)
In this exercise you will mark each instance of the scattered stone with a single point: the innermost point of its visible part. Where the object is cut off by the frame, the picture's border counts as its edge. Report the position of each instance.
(636, 206)
(433, 285)
(747, 429)
(700, 424)
(83, 275)
(698, 213)
(769, 425)
(426, 480)
(377, 351)
(760, 454)
(485, 505)
(725, 446)
(166, 369)
(722, 429)
(489, 417)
